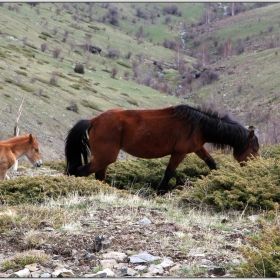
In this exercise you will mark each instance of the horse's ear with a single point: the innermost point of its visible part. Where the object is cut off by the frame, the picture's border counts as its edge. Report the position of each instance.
(30, 138)
(252, 134)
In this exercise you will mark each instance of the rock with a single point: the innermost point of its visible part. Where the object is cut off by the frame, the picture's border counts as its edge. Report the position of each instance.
(143, 258)
(219, 271)
(105, 244)
(63, 273)
(206, 262)
(108, 271)
(230, 247)
(88, 256)
(24, 273)
(156, 269)
(96, 275)
(108, 263)
(121, 257)
(175, 267)
(254, 218)
(196, 255)
(45, 275)
(35, 274)
(145, 221)
(48, 229)
(131, 272)
(32, 267)
(141, 267)
(166, 263)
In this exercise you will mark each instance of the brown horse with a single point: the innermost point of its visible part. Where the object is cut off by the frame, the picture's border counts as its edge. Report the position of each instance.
(175, 130)
(16, 147)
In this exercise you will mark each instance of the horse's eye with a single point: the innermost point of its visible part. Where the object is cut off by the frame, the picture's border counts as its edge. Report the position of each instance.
(36, 150)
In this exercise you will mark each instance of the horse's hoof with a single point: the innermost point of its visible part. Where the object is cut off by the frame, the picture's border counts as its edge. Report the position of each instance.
(161, 193)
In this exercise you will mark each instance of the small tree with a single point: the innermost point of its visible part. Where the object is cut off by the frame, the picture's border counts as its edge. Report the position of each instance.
(79, 68)
(114, 72)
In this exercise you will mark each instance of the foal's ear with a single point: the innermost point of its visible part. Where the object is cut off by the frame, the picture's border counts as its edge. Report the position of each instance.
(31, 138)
(252, 134)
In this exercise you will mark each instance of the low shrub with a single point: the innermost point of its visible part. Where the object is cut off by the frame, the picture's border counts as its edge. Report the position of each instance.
(38, 188)
(133, 174)
(234, 187)
(262, 254)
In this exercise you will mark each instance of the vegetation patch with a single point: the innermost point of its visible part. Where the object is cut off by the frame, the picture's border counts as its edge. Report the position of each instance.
(75, 86)
(91, 105)
(132, 101)
(21, 72)
(46, 34)
(124, 64)
(262, 254)
(26, 88)
(135, 174)
(20, 260)
(38, 188)
(256, 185)
(93, 27)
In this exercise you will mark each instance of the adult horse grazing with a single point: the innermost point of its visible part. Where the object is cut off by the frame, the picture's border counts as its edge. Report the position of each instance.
(16, 147)
(175, 130)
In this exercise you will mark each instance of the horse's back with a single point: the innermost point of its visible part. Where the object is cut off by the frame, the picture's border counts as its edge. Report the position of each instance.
(148, 133)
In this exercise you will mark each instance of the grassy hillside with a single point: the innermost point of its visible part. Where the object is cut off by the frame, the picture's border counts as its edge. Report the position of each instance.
(141, 64)
(49, 85)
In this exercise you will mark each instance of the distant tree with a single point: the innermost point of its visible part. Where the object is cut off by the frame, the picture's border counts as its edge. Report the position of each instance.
(128, 55)
(79, 68)
(240, 47)
(113, 53)
(56, 52)
(208, 77)
(53, 79)
(141, 13)
(204, 55)
(44, 47)
(114, 20)
(114, 72)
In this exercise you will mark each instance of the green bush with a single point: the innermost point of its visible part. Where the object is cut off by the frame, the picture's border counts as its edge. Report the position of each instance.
(233, 187)
(37, 188)
(133, 174)
(262, 254)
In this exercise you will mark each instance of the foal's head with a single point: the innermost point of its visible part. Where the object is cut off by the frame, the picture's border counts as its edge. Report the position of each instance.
(250, 147)
(33, 153)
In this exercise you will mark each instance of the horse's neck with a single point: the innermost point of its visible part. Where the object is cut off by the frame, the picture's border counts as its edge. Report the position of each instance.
(17, 149)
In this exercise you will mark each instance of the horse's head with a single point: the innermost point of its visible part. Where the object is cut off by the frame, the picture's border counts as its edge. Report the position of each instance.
(33, 153)
(250, 147)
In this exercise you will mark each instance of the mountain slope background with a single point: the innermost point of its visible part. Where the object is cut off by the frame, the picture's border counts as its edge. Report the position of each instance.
(152, 55)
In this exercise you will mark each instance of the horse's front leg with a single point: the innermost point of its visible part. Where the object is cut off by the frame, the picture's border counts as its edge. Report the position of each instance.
(174, 161)
(204, 155)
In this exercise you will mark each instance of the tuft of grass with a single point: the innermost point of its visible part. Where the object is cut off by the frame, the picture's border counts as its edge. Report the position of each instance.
(91, 105)
(262, 253)
(20, 260)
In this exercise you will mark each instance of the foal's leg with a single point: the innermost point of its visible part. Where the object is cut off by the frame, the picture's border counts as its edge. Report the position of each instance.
(204, 155)
(174, 161)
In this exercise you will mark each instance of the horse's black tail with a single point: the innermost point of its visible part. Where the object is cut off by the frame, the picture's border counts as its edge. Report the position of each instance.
(77, 146)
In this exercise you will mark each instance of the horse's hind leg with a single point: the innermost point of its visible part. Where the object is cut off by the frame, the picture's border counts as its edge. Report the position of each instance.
(174, 161)
(97, 165)
(204, 155)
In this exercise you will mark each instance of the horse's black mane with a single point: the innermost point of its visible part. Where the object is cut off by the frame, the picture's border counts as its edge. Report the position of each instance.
(219, 129)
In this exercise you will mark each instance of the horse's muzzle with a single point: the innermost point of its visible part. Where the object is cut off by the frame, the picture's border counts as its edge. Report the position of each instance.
(38, 163)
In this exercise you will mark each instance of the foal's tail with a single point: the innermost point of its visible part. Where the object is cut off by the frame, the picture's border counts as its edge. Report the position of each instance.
(77, 146)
